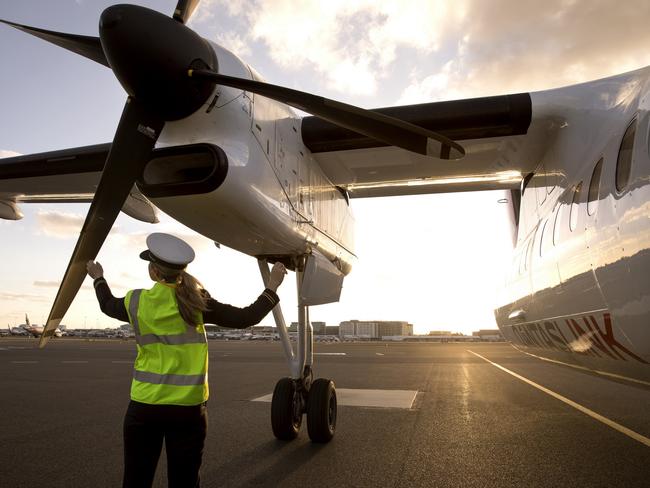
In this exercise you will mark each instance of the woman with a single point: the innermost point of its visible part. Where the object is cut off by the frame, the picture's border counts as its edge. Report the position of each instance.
(169, 389)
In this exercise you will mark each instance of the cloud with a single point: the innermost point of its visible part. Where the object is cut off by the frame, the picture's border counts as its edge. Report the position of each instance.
(351, 44)
(4, 153)
(23, 296)
(47, 284)
(509, 46)
(62, 225)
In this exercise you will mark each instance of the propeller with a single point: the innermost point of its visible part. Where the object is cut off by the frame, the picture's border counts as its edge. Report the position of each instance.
(86, 46)
(152, 55)
(149, 54)
(382, 127)
(184, 10)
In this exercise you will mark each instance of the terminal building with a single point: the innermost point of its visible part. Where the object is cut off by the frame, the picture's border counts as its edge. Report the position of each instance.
(375, 329)
(319, 328)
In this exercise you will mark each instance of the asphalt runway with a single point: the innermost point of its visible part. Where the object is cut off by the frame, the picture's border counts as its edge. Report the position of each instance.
(471, 425)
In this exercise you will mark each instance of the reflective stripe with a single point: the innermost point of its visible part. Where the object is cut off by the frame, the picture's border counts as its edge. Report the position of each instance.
(133, 312)
(169, 379)
(176, 339)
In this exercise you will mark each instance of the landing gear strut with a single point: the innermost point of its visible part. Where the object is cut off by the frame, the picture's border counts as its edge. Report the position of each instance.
(300, 394)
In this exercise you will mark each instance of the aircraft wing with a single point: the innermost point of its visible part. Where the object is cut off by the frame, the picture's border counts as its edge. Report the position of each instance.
(502, 143)
(65, 176)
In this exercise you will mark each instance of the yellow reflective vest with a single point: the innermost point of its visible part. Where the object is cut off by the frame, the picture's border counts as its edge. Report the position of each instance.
(172, 363)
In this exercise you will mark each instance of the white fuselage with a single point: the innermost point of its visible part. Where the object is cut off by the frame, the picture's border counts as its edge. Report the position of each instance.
(579, 287)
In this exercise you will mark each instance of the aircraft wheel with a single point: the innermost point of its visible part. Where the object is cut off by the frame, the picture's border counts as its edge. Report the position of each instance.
(321, 410)
(286, 410)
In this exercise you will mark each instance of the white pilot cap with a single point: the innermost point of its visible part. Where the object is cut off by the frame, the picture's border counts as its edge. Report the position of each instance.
(168, 250)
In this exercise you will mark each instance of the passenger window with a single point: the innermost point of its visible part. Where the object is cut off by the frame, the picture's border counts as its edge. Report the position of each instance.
(624, 162)
(573, 213)
(594, 186)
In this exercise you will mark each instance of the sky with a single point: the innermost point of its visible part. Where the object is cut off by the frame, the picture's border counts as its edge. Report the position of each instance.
(437, 261)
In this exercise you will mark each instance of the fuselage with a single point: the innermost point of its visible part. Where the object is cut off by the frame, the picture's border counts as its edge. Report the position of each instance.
(579, 287)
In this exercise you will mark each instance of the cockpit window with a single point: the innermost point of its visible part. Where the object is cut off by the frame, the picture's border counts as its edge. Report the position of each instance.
(594, 186)
(624, 162)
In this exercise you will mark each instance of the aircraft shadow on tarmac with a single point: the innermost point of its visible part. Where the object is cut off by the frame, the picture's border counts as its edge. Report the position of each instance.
(289, 457)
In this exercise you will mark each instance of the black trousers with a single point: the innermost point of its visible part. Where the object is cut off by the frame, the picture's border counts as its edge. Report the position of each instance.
(182, 428)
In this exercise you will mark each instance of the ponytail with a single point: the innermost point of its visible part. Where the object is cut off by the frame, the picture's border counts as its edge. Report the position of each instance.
(190, 297)
(190, 294)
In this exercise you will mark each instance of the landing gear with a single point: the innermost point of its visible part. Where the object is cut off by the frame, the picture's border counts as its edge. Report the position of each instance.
(301, 394)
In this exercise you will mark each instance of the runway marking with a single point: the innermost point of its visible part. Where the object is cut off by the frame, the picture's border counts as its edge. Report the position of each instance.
(366, 398)
(74, 362)
(610, 423)
(380, 354)
(24, 362)
(582, 368)
(330, 354)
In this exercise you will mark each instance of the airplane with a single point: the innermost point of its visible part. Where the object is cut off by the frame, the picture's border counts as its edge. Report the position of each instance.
(205, 139)
(34, 330)
(19, 330)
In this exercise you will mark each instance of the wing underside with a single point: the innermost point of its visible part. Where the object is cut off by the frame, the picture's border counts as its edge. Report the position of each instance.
(65, 176)
(501, 140)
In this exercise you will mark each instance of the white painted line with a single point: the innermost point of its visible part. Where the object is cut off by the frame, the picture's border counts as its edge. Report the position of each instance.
(380, 354)
(610, 423)
(74, 362)
(366, 398)
(583, 368)
(122, 362)
(330, 354)
(24, 362)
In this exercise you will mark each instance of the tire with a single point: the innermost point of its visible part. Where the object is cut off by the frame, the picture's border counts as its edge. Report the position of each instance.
(321, 410)
(286, 417)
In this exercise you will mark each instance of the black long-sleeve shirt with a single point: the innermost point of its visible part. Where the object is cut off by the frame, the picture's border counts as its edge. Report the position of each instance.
(218, 313)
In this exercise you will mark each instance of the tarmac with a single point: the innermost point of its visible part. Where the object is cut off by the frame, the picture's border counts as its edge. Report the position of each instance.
(470, 421)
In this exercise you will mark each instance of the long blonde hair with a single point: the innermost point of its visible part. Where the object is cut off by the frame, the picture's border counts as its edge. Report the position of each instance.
(190, 294)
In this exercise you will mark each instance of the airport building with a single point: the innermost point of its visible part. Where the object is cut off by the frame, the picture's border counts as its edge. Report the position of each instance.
(319, 328)
(375, 329)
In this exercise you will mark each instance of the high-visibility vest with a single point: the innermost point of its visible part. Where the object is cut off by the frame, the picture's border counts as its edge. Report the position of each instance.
(172, 363)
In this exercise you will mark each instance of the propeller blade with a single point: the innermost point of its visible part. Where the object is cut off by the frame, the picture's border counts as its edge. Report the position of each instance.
(184, 10)
(135, 137)
(384, 128)
(87, 46)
